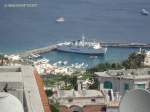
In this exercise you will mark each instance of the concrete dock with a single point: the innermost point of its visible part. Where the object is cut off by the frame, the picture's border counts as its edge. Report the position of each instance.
(37, 51)
(125, 45)
(104, 44)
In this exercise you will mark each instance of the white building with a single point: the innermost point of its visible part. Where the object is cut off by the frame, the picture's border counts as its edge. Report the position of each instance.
(81, 100)
(124, 80)
(147, 58)
(115, 83)
(14, 57)
(19, 88)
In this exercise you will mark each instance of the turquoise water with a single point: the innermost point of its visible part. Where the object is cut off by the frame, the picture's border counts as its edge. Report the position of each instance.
(112, 55)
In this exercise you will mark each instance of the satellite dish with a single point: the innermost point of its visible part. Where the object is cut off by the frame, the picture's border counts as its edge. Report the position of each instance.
(10, 103)
(135, 101)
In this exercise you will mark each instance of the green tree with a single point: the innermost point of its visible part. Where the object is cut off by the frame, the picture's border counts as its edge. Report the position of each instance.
(73, 82)
(126, 64)
(49, 93)
(95, 85)
(135, 60)
(55, 107)
(66, 79)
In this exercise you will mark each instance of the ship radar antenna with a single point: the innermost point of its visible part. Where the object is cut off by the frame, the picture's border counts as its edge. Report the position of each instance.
(83, 39)
(83, 36)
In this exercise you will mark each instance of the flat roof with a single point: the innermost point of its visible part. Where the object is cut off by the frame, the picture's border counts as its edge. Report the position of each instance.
(30, 87)
(31, 90)
(10, 77)
(81, 93)
(142, 73)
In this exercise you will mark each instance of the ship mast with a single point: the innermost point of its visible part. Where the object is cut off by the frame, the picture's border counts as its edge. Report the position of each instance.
(83, 40)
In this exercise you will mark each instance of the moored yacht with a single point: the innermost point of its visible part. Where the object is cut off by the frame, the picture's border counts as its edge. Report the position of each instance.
(144, 12)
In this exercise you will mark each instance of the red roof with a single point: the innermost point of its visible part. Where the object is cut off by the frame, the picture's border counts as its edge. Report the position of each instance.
(43, 95)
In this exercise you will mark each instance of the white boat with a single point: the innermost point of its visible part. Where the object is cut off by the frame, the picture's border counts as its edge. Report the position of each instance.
(60, 62)
(35, 55)
(65, 62)
(83, 47)
(60, 19)
(144, 12)
(55, 64)
(43, 60)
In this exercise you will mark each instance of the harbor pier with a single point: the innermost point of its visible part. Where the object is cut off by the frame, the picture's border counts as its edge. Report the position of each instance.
(103, 44)
(125, 45)
(37, 51)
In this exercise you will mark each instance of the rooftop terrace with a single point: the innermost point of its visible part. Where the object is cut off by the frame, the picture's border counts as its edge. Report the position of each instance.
(141, 73)
(21, 82)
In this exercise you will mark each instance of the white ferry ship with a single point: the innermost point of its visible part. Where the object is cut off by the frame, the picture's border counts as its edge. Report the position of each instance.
(82, 46)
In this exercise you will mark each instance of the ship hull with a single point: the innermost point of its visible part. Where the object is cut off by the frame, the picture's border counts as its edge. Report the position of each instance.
(88, 51)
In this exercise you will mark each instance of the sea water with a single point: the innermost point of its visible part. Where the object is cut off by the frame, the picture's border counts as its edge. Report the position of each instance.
(113, 55)
(27, 24)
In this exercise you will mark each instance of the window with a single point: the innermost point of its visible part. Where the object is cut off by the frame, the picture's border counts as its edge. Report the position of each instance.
(70, 100)
(126, 87)
(93, 100)
(107, 85)
(140, 86)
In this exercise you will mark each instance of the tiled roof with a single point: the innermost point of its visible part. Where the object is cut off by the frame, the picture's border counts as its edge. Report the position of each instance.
(44, 98)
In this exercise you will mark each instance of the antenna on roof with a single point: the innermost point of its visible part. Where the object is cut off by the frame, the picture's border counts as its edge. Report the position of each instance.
(5, 89)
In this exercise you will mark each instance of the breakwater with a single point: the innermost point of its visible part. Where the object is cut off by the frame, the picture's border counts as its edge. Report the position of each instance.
(37, 51)
(104, 44)
(125, 45)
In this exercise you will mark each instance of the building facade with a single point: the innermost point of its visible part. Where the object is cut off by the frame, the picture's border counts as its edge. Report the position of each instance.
(81, 100)
(147, 59)
(124, 80)
(22, 83)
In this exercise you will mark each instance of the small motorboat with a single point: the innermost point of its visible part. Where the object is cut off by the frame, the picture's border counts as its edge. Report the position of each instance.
(144, 12)
(60, 19)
